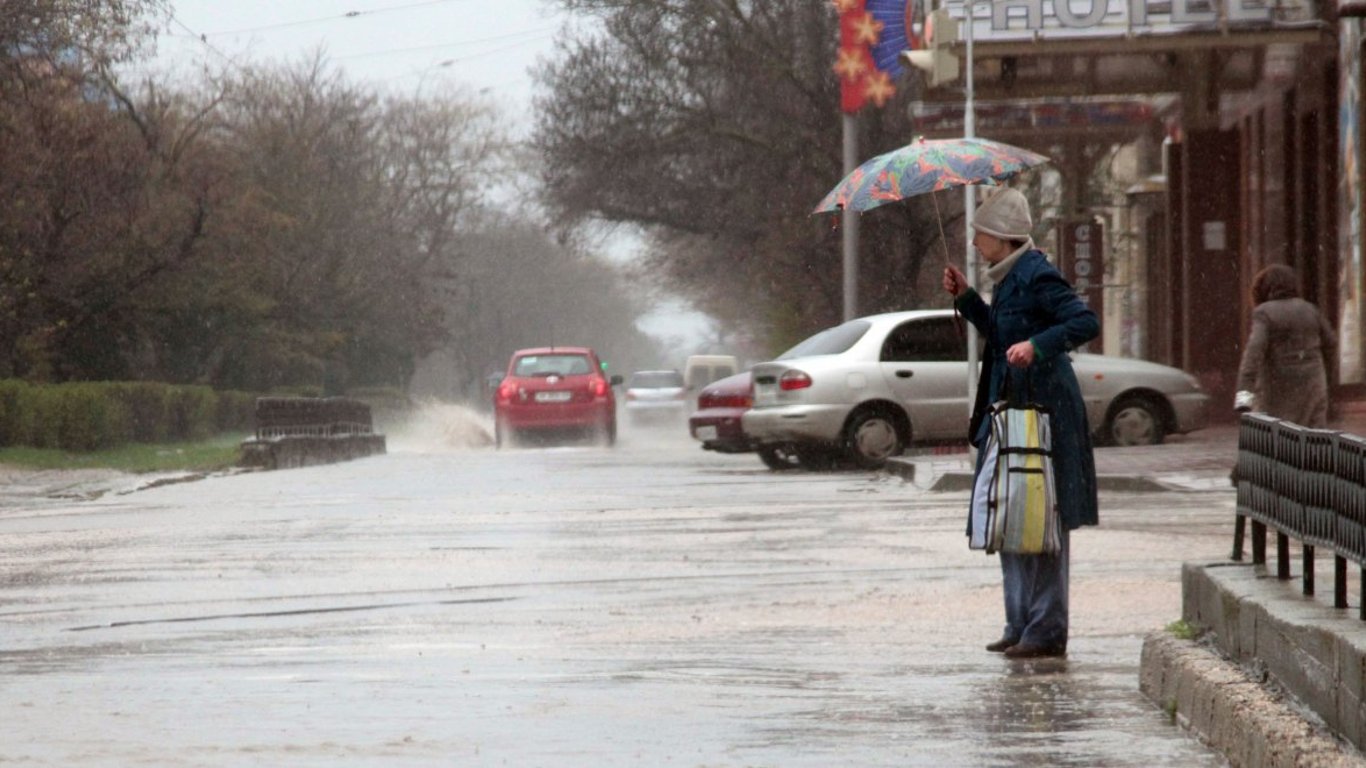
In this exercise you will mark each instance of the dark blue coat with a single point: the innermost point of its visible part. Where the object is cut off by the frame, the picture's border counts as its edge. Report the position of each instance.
(1034, 302)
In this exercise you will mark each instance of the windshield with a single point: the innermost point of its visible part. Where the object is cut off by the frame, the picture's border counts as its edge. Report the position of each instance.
(830, 341)
(656, 380)
(551, 365)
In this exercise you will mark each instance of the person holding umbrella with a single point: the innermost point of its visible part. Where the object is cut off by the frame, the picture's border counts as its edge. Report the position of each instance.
(1034, 319)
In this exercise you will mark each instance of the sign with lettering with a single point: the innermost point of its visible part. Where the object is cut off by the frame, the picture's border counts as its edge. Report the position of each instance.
(1058, 19)
(1083, 261)
(1086, 14)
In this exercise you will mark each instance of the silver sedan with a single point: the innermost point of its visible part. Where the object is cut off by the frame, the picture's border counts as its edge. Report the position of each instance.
(868, 388)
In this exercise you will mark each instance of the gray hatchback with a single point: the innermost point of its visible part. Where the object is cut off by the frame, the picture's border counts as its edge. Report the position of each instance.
(656, 396)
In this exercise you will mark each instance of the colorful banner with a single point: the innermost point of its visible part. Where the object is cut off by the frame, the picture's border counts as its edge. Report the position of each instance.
(1351, 360)
(873, 33)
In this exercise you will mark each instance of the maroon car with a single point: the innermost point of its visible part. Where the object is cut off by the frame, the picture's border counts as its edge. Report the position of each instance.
(716, 422)
(549, 391)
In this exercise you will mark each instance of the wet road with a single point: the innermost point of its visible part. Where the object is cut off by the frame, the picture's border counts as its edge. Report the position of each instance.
(648, 605)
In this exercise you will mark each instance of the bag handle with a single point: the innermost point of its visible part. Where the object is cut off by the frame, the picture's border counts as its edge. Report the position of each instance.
(1007, 390)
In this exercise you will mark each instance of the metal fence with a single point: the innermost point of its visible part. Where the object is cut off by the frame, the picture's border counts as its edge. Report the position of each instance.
(1309, 484)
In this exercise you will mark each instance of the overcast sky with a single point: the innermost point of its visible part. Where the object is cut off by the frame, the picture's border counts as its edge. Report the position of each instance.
(404, 45)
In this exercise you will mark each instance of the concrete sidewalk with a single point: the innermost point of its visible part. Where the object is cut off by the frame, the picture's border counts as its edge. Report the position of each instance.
(1196, 462)
(1199, 461)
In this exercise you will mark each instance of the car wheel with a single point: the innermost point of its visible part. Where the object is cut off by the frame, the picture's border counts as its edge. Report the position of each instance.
(1135, 420)
(780, 457)
(605, 434)
(872, 438)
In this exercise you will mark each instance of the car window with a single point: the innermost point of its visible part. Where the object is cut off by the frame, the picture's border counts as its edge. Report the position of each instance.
(656, 379)
(706, 374)
(925, 340)
(831, 341)
(547, 365)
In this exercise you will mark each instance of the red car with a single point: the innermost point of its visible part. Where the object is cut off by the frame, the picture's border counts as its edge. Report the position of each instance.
(555, 390)
(717, 422)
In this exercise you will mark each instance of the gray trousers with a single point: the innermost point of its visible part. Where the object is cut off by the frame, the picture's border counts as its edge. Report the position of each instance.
(1035, 588)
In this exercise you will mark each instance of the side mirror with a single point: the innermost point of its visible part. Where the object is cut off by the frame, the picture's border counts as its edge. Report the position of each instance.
(616, 381)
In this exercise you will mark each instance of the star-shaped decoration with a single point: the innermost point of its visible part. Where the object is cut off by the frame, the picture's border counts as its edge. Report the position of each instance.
(852, 63)
(866, 29)
(878, 88)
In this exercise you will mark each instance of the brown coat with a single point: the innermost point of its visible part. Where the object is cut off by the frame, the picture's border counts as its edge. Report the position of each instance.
(1283, 363)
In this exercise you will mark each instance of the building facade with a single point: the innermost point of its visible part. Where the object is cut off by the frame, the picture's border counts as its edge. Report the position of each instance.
(1245, 156)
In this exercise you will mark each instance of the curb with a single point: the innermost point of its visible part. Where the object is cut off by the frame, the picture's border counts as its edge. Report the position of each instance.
(1314, 653)
(293, 451)
(1222, 704)
(957, 480)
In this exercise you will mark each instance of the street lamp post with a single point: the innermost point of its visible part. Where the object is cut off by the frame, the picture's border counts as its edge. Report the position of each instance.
(970, 201)
(849, 223)
(942, 67)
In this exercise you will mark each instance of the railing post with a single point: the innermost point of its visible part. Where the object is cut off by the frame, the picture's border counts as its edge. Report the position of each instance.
(1258, 543)
(1339, 582)
(1258, 494)
(1307, 563)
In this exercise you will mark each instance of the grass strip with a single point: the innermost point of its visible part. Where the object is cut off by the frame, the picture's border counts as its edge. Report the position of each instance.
(215, 453)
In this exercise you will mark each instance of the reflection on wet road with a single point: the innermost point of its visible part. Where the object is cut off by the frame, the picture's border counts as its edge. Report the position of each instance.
(648, 605)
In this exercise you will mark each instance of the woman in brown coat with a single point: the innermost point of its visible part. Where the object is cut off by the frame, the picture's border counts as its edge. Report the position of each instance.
(1283, 372)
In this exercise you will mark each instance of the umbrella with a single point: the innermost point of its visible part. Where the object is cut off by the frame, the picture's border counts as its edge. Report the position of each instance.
(927, 166)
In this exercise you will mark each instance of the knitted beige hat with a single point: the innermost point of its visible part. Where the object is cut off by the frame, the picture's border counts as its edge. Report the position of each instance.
(1005, 215)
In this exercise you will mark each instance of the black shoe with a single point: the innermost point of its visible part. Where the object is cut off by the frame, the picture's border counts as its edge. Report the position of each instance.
(1028, 651)
(1000, 646)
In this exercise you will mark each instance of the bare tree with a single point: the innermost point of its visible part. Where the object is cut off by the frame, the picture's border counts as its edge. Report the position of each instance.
(104, 197)
(40, 37)
(361, 206)
(715, 125)
(267, 228)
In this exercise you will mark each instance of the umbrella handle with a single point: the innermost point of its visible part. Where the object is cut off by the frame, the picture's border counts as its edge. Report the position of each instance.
(943, 243)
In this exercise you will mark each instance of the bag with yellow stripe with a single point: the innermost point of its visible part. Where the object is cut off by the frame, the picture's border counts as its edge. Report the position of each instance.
(1014, 499)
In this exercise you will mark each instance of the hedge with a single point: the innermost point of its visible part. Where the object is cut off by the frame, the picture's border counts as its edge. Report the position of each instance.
(87, 416)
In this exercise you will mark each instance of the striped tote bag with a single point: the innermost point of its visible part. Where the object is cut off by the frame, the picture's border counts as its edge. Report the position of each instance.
(1014, 499)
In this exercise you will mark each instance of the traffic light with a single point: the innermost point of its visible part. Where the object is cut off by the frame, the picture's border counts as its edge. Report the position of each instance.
(941, 32)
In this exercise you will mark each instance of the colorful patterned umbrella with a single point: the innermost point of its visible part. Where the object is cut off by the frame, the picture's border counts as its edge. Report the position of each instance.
(927, 166)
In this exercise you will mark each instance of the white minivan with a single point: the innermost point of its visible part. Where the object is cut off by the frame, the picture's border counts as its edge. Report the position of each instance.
(701, 370)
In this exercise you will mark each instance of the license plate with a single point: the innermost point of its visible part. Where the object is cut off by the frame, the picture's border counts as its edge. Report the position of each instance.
(706, 433)
(764, 397)
(553, 397)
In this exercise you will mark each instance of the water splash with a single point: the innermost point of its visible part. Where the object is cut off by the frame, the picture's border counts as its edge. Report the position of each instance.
(435, 427)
